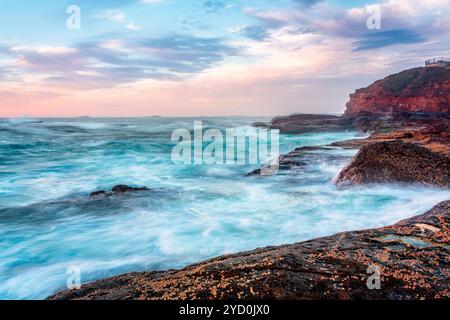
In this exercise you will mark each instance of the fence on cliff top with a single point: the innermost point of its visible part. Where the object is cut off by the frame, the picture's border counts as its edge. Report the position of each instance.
(437, 61)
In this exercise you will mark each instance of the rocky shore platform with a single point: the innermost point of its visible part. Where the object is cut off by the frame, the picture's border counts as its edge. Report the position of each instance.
(412, 258)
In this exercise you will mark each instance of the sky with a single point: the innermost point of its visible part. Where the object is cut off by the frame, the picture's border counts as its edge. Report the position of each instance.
(207, 57)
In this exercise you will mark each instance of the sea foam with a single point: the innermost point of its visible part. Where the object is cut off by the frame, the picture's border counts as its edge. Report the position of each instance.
(48, 223)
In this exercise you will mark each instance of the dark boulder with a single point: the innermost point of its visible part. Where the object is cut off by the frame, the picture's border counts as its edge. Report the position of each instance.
(100, 193)
(119, 189)
(124, 188)
(397, 161)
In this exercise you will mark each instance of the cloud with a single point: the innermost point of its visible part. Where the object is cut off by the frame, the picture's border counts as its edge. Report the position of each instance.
(105, 63)
(403, 22)
(255, 32)
(216, 5)
(274, 19)
(306, 3)
(111, 15)
(381, 39)
(281, 61)
(100, 4)
(132, 26)
(150, 1)
(108, 4)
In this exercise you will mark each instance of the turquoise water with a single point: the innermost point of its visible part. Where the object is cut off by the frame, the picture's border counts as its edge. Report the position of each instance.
(48, 167)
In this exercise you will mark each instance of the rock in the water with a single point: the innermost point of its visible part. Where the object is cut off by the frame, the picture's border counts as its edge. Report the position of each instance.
(397, 161)
(296, 160)
(100, 193)
(411, 258)
(119, 189)
(302, 123)
(124, 188)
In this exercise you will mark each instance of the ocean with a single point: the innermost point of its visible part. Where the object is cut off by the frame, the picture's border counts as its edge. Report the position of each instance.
(48, 222)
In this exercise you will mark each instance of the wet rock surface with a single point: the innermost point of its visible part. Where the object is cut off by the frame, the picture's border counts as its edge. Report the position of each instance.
(397, 161)
(297, 160)
(117, 190)
(307, 123)
(428, 130)
(412, 258)
(435, 137)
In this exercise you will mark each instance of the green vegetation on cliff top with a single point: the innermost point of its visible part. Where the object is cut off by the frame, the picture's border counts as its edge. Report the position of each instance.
(416, 78)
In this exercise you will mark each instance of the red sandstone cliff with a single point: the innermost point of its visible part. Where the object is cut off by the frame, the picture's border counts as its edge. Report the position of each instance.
(415, 90)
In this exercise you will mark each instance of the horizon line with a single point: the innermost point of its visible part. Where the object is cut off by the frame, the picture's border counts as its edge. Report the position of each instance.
(168, 116)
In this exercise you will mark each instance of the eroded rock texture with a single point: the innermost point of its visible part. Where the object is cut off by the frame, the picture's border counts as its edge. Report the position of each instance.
(397, 161)
(412, 257)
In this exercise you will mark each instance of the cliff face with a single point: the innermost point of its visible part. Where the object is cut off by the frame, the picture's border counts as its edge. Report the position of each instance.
(415, 90)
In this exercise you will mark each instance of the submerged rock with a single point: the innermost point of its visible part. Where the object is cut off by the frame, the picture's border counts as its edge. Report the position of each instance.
(100, 193)
(411, 258)
(124, 188)
(397, 161)
(119, 189)
(296, 160)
